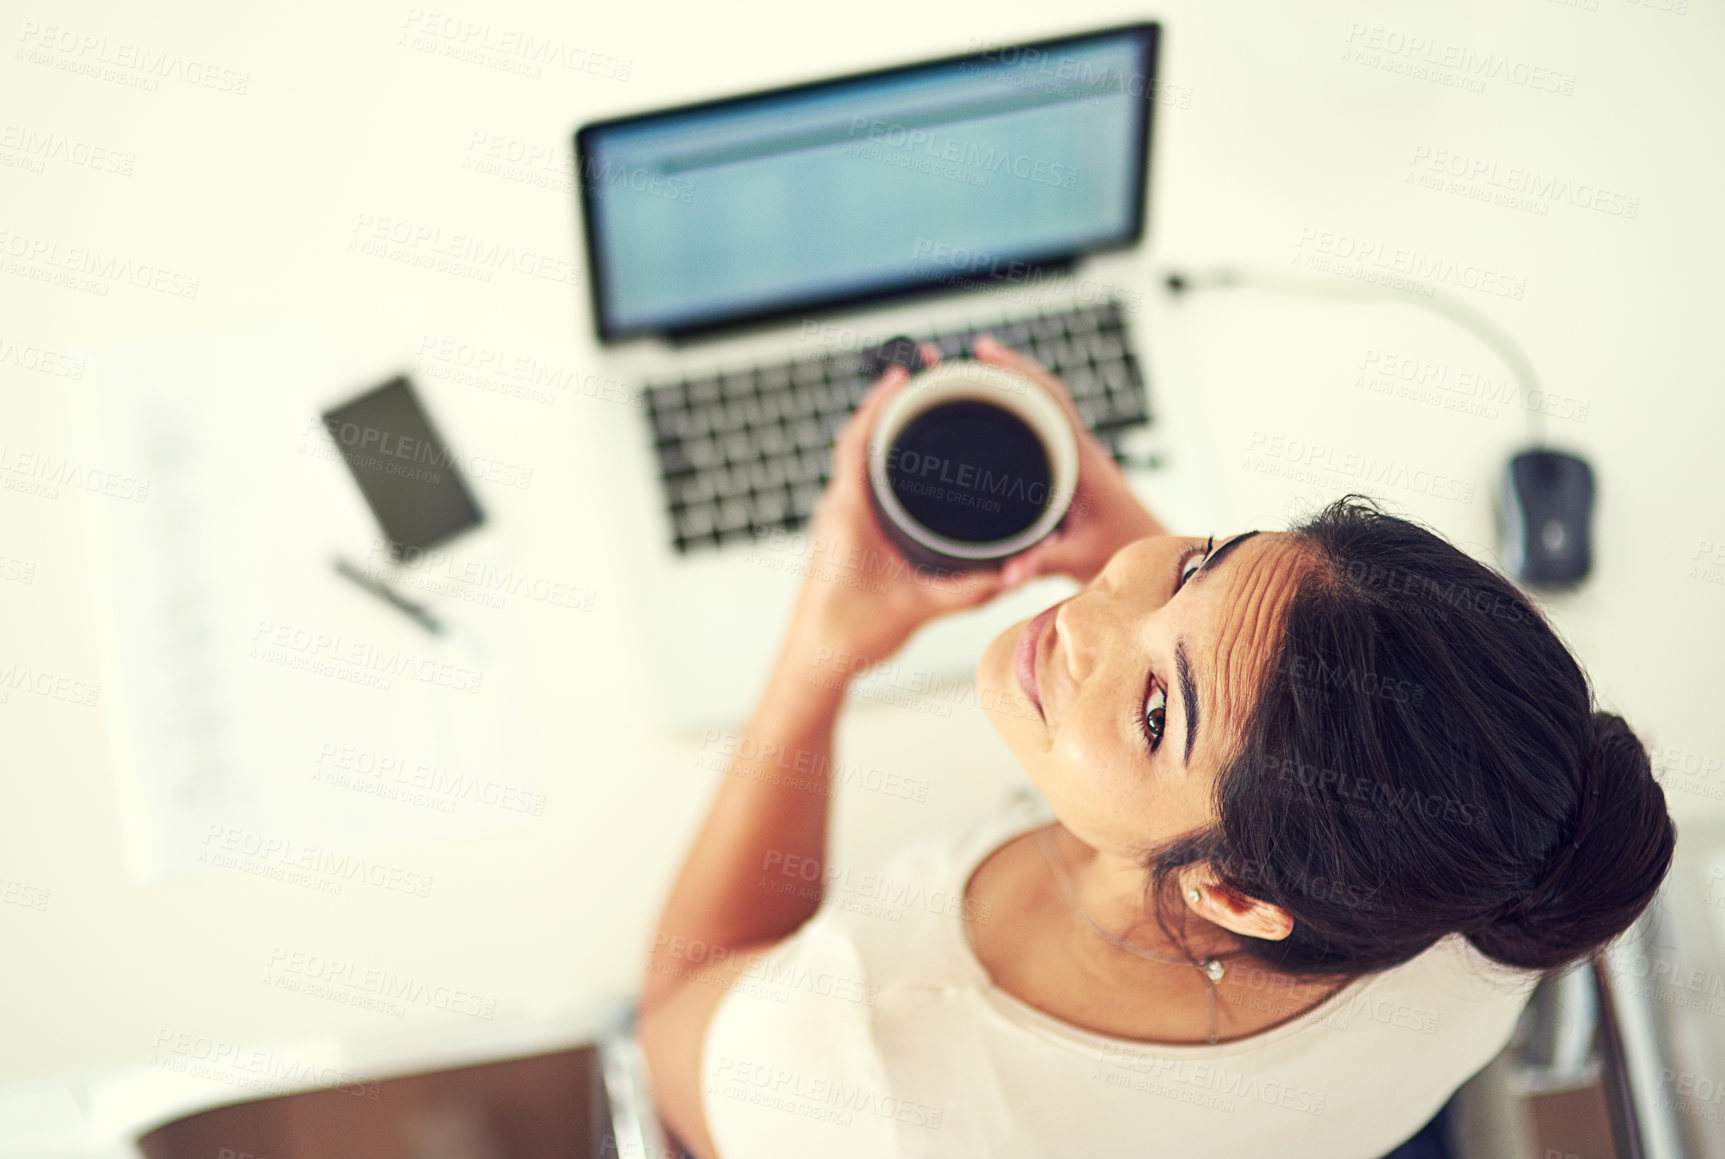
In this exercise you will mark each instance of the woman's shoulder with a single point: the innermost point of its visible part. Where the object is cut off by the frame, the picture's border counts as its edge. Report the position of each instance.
(811, 1007)
(789, 1063)
(1450, 999)
(1454, 972)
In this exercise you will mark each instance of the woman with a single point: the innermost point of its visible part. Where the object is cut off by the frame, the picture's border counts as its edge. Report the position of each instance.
(1316, 807)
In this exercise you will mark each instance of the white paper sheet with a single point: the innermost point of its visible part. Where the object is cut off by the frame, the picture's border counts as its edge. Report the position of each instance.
(268, 716)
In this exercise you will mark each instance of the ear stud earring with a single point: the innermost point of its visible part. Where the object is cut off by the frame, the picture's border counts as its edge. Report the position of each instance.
(1192, 895)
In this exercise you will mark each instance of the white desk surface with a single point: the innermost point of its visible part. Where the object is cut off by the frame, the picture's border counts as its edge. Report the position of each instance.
(1279, 124)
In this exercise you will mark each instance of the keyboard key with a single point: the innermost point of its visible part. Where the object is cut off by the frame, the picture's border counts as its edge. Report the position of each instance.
(1062, 354)
(771, 507)
(701, 454)
(804, 496)
(690, 490)
(1045, 327)
(733, 514)
(828, 398)
(766, 475)
(1115, 375)
(696, 521)
(830, 424)
(674, 460)
(1084, 381)
(739, 447)
(813, 464)
(799, 401)
(1093, 346)
(698, 422)
(658, 396)
(731, 482)
(1129, 410)
(773, 442)
(808, 433)
(670, 426)
(713, 418)
(1082, 322)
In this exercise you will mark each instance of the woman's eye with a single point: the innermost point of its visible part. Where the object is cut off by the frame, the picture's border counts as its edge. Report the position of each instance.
(1155, 715)
(1190, 567)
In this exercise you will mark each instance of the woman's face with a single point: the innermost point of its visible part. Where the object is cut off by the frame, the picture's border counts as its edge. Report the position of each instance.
(1141, 683)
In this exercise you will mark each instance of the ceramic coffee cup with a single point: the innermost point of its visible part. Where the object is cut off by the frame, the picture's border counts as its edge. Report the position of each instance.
(970, 464)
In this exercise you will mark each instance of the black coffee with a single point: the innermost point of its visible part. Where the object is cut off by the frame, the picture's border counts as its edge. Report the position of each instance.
(969, 470)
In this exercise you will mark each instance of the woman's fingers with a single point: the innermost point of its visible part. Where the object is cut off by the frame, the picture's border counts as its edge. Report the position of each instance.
(1048, 557)
(850, 447)
(966, 589)
(987, 349)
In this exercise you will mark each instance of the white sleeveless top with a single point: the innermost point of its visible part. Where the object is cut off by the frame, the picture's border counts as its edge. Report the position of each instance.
(874, 1032)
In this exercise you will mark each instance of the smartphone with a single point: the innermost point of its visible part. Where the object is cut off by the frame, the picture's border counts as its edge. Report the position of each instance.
(410, 478)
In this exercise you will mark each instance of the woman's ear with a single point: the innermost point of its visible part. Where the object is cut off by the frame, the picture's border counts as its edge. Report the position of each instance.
(1207, 897)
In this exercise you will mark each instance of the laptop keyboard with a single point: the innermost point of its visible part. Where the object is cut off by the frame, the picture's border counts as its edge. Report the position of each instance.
(748, 451)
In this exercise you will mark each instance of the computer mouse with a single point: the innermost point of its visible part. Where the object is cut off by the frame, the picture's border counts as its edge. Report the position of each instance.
(1546, 509)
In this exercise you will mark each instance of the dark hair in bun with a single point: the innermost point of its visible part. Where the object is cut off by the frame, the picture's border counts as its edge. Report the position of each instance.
(1620, 841)
(1423, 758)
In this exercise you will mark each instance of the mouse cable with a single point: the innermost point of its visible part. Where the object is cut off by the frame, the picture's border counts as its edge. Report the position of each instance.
(1459, 313)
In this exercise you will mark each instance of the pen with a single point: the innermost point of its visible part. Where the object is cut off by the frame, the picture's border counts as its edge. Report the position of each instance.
(390, 596)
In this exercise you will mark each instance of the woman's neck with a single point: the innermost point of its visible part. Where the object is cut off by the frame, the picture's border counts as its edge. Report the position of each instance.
(1111, 891)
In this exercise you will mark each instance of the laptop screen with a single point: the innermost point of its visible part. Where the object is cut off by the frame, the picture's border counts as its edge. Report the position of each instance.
(867, 186)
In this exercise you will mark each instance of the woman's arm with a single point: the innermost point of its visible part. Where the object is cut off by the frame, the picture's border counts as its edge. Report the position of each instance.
(719, 920)
(859, 601)
(771, 810)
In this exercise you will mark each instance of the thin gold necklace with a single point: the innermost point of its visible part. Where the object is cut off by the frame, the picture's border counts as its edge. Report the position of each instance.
(1211, 969)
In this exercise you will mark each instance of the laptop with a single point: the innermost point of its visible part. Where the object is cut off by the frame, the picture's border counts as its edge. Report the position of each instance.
(749, 256)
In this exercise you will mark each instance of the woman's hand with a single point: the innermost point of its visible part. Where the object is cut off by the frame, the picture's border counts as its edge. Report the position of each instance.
(1105, 515)
(861, 598)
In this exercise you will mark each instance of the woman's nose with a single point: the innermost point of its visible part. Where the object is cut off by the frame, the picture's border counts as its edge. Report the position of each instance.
(1078, 628)
(1104, 612)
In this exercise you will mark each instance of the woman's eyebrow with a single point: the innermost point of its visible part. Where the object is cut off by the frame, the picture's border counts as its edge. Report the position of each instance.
(1188, 685)
(1219, 554)
(1188, 696)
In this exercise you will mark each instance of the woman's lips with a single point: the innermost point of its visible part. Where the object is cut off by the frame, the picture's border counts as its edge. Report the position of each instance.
(1026, 654)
